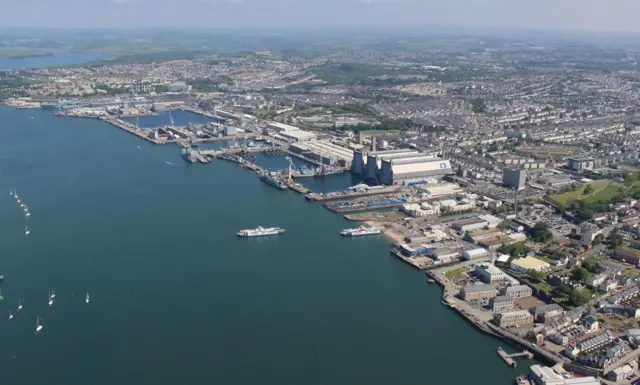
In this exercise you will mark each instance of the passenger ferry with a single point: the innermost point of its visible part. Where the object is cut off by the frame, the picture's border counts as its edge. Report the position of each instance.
(360, 231)
(260, 232)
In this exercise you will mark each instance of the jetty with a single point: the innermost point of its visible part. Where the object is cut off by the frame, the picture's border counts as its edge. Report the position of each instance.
(509, 358)
(132, 129)
(350, 194)
(297, 187)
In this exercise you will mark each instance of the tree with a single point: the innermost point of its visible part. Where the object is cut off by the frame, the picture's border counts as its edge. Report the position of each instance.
(591, 264)
(597, 240)
(580, 274)
(585, 214)
(541, 233)
(615, 240)
(588, 190)
(536, 276)
(478, 106)
(577, 298)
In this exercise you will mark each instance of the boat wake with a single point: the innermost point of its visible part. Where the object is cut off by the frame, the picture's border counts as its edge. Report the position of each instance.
(173, 164)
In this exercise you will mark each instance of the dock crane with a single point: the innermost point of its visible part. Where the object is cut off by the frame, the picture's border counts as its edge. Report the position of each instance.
(291, 167)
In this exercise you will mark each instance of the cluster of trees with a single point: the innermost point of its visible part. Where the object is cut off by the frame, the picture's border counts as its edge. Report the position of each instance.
(575, 296)
(615, 240)
(515, 250)
(478, 106)
(209, 85)
(536, 276)
(111, 91)
(541, 233)
(384, 125)
(580, 274)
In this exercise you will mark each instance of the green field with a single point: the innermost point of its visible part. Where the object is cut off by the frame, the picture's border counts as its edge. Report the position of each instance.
(453, 273)
(601, 190)
(609, 192)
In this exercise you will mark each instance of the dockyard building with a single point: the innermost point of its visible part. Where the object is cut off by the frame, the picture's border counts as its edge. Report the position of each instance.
(513, 318)
(529, 263)
(518, 291)
(399, 167)
(501, 303)
(478, 292)
(488, 273)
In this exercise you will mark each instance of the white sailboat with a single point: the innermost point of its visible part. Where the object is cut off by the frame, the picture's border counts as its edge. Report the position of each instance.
(38, 326)
(15, 195)
(27, 214)
(21, 204)
(10, 315)
(10, 192)
(26, 209)
(53, 294)
(50, 299)
(19, 304)
(26, 229)
(86, 299)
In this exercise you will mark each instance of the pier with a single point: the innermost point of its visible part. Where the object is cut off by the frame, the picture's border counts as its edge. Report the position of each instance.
(349, 207)
(130, 128)
(508, 358)
(297, 187)
(347, 194)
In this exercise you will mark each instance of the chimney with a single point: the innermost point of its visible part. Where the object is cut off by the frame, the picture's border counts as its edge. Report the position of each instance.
(373, 143)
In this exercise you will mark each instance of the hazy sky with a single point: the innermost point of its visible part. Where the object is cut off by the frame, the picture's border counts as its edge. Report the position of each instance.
(594, 15)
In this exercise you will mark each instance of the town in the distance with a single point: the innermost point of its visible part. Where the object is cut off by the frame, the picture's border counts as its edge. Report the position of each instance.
(507, 171)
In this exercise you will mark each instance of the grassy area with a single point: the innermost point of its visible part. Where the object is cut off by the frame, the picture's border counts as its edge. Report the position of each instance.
(630, 272)
(546, 259)
(542, 286)
(600, 191)
(454, 273)
(607, 193)
(637, 252)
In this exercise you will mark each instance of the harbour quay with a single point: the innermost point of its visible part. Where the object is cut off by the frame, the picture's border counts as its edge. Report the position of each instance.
(357, 191)
(369, 203)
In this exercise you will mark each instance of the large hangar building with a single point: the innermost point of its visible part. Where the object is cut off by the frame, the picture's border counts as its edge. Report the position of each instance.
(398, 167)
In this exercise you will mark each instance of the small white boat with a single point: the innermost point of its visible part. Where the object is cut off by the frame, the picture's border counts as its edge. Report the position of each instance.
(27, 214)
(10, 192)
(10, 315)
(21, 204)
(53, 294)
(50, 299)
(26, 209)
(19, 304)
(38, 326)
(86, 299)
(26, 229)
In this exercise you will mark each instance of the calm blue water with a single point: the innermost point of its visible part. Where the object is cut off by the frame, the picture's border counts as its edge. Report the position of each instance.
(59, 58)
(177, 298)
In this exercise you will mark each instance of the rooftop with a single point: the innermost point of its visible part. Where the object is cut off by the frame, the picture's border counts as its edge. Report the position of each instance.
(478, 288)
(529, 263)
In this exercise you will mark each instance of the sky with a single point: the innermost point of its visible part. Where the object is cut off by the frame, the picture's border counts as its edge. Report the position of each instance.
(575, 15)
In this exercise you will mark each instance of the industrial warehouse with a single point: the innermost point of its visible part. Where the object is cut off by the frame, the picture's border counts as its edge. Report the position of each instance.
(324, 152)
(398, 167)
